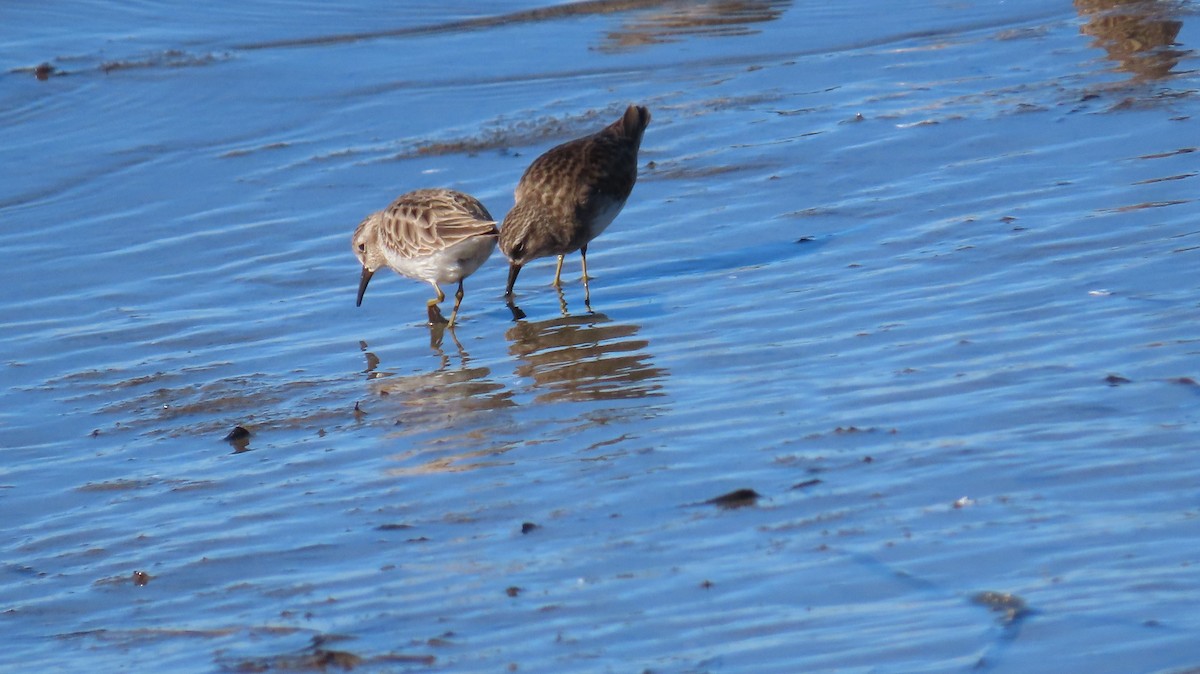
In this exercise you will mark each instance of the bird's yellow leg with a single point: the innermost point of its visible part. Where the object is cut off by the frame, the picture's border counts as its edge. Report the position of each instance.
(435, 314)
(558, 273)
(587, 291)
(457, 301)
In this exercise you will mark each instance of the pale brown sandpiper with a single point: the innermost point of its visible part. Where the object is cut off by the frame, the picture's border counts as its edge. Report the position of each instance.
(570, 194)
(433, 235)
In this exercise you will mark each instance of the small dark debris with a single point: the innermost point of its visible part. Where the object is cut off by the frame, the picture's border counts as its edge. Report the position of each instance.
(807, 483)
(141, 578)
(358, 412)
(805, 239)
(850, 430)
(96, 433)
(739, 498)
(527, 527)
(512, 590)
(43, 71)
(651, 165)
(867, 459)
(1186, 381)
(419, 539)
(237, 434)
(1011, 607)
(1116, 380)
(239, 438)
(397, 526)
(706, 585)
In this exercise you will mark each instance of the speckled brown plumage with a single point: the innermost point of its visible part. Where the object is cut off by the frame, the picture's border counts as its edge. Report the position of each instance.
(570, 194)
(434, 235)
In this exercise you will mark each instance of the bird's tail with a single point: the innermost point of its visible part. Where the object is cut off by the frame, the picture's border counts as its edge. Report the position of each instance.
(635, 121)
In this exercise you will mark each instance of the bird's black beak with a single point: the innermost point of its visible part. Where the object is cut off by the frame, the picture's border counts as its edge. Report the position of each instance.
(513, 270)
(362, 285)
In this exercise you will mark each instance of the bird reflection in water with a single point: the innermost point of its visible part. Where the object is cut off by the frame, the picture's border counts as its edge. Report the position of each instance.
(519, 315)
(586, 357)
(1139, 35)
(433, 400)
(437, 335)
(677, 20)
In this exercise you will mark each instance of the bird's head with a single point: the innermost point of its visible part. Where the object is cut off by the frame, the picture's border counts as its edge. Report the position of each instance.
(365, 244)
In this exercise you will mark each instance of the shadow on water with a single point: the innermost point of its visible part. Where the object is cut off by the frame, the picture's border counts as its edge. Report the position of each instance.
(1139, 35)
(584, 357)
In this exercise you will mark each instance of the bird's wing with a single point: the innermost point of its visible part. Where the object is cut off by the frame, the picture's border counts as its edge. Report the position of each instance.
(424, 222)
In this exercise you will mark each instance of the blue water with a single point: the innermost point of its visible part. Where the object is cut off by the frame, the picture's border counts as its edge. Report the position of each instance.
(923, 277)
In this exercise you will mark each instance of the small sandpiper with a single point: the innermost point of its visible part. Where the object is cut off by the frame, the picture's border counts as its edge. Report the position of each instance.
(432, 235)
(570, 194)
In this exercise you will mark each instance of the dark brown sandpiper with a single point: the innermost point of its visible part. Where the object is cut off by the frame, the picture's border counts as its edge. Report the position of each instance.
(433, 235)
(569, 195)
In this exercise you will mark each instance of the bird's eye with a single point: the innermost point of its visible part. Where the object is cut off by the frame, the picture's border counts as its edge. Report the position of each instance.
(362, 247)
(518, 250)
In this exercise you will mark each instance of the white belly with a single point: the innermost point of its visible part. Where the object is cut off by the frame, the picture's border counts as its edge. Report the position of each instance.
(449, 265)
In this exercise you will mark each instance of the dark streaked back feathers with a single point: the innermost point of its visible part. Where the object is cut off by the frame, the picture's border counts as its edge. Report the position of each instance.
(603, 164)
(425, 221)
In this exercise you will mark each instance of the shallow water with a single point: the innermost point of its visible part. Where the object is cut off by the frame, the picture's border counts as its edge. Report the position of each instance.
(923, 279)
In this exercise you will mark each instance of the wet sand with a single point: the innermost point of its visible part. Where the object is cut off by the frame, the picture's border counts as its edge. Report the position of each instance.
(892, 365)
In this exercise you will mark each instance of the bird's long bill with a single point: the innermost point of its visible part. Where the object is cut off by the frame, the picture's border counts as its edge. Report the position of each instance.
(362, 285)
(513, 270)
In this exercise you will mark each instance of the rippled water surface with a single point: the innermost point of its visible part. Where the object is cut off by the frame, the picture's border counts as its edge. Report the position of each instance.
(892, 365)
